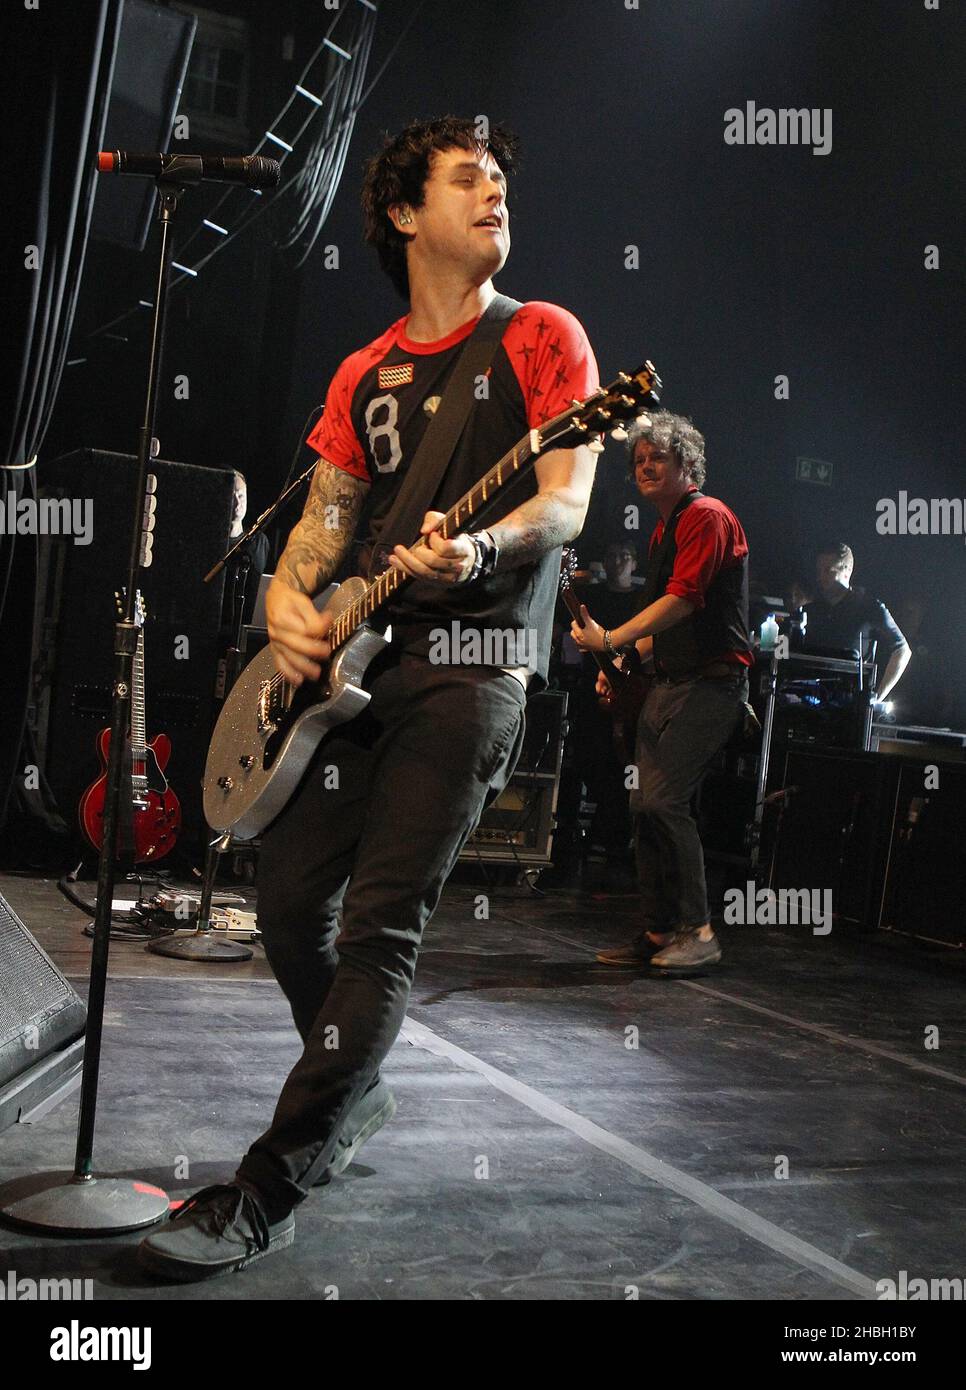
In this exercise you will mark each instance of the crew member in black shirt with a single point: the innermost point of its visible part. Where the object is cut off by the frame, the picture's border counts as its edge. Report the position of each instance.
(248, 564)
(839, 614)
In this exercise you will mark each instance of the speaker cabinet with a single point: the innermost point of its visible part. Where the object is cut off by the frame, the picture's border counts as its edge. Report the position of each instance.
(41, 1024)
(834, 828)
(153, 48)
(925, 892)
(74, 660)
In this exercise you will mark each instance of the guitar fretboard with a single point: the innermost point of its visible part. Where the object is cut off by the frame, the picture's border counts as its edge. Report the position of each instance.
(391, 580)
(138, 721)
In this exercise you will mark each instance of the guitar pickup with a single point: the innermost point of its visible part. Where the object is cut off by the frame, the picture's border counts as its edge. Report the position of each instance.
(265, 711)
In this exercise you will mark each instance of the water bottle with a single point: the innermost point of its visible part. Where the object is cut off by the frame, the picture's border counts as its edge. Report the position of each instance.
(769, 633)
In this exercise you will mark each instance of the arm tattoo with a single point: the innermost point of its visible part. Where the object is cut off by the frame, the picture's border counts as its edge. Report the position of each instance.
(534, 528)
(318, 543)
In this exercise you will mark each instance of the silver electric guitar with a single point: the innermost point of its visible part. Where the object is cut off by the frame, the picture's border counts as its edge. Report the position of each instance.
(269, 729)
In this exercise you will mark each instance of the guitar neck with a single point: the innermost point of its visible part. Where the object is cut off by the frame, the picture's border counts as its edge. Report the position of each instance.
(605, 663)
(391, 581)
(138, 720)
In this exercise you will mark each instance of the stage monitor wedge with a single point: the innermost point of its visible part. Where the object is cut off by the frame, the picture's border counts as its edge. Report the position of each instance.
(42, 1022)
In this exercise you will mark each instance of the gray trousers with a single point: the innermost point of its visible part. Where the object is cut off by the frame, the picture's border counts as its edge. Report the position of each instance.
(682, 726)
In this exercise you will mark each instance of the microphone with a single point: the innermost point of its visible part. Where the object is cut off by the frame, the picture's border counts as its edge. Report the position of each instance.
(252, 170)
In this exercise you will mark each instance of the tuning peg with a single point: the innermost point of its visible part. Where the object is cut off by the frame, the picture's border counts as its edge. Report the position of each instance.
(595, 446)
(644, 420)
(619, 433)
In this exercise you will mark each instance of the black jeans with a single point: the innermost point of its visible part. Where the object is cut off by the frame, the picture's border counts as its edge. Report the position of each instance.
(682, 726)
(370, 836)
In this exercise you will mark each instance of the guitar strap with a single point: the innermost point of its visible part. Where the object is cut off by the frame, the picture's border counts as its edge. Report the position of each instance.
(438, 444)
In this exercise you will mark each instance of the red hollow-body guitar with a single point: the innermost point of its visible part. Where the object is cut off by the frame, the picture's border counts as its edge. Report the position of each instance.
(149, 813)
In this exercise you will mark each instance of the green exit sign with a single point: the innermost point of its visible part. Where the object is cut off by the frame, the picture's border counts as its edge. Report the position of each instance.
(813, 471)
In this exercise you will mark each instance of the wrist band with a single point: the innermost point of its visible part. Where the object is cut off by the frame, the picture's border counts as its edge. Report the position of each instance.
(487, 553)
(477, 569)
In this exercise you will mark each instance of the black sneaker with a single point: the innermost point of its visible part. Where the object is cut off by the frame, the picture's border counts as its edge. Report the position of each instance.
(219, 1229)
(369, 1114)
(638, 952)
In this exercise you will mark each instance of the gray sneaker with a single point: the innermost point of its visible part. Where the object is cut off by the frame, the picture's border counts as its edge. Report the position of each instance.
(686, 953)
(640, 951)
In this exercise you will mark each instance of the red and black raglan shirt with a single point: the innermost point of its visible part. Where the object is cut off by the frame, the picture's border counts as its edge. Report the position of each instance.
(380, 402)
(708, 566)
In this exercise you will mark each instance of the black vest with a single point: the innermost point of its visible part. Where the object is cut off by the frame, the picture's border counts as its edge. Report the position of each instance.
(720, 626)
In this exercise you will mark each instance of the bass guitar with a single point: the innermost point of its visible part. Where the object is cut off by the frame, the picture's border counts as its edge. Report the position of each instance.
(150, 813)
(269, 729)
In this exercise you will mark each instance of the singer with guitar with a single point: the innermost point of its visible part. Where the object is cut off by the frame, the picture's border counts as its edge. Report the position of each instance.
(374, 827)
(693, 625)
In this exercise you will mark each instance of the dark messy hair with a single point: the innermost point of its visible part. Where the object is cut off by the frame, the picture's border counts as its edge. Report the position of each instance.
(397, 176)
(674, 434)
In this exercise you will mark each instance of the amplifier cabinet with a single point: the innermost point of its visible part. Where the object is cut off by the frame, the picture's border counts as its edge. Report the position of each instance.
(517, 827)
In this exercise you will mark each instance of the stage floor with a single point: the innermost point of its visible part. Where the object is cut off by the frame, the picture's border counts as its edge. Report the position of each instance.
(535, 1154)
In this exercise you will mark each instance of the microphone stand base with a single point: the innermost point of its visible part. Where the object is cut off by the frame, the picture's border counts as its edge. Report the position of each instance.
(199, 945)
(63, 1204)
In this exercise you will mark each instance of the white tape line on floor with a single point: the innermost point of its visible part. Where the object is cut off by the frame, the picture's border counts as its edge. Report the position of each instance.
(692, 1189)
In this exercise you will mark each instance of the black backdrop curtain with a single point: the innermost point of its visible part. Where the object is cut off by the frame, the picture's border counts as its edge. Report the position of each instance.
(58, 61)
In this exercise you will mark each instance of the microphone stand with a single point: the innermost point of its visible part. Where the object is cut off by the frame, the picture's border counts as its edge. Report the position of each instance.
(203, 943)
(79, 1203)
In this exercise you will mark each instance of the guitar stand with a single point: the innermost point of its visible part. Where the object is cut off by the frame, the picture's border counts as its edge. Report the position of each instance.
(203, 943)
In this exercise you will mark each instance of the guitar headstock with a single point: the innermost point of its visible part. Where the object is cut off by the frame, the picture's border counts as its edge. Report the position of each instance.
(568, 568)
(607, 411)
(140, 607)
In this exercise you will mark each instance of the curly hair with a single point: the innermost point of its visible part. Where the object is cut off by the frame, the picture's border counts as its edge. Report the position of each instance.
(398, 173)
(676, 435)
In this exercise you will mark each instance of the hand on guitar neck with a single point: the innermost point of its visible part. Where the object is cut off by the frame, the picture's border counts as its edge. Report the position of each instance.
(605, 690)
